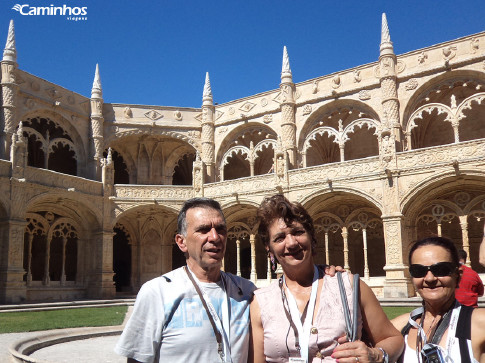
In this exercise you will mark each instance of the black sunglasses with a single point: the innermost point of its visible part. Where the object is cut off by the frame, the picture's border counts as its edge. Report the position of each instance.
(439, 269)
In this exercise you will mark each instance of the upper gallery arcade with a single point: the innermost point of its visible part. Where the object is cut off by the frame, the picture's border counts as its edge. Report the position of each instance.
(380, 154)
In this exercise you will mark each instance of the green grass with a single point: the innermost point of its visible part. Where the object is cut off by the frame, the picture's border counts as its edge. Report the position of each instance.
(15, 322)
(394, 311)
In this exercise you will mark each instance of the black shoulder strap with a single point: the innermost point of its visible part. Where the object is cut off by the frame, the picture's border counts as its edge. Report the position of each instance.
(408, 327)
(464, 332)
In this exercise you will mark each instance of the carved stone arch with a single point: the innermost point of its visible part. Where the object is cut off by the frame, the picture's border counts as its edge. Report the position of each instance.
(469, 114)
(360, 123)
(177, 154)
(238, 230)
(355, 214)
(422, 94)
(428, 189)
(351, 191)
(241, 153)
(129, 211)
(38, 224)
(330, 109)
(150, 223)
(321, 216)
(127, 230)
(64, 227)
(70, 130)
(331, 132)
(64, 142)
(117, 134)
(28, 131)
(229, 140)
(89, 214)
(473, 203)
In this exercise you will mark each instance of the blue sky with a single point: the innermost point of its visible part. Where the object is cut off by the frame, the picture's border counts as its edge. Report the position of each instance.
(157, 52)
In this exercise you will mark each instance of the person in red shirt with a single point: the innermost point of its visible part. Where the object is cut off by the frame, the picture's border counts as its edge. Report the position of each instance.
(470, 286)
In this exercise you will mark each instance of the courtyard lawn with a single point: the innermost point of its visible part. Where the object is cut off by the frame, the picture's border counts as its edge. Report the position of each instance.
(394, 311)
(15, 322)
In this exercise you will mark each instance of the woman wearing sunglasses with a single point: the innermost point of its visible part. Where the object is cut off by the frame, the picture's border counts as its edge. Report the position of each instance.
(300, 317)
(441, 330)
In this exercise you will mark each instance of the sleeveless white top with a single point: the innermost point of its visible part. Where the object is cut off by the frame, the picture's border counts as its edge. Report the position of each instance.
(451, 351)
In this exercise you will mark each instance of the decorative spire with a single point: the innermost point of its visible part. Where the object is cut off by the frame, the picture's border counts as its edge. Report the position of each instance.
(386, 43)
(207, 94)
(10, 52)
(97, 90)
(285, 69)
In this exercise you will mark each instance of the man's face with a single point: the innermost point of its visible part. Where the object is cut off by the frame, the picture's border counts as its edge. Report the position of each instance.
(205, 239)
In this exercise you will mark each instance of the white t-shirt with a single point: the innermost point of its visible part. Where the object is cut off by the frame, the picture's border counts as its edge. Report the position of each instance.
(170, 324)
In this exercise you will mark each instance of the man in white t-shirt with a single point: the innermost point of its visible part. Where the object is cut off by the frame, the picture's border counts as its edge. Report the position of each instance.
(196, 313)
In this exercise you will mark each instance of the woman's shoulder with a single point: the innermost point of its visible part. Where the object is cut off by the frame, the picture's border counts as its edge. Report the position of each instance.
(270, 289)
(400, 321)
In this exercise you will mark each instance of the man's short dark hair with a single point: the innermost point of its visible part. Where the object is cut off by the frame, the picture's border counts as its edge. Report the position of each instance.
(195, 203)
(462, 255)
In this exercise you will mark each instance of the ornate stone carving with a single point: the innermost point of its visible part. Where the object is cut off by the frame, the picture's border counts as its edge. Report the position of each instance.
(30, 103)
(127, 112)
(247, 106)
(153, 115)
(412, 84)
(357, 77)
(268, 118)
(232, 110)
(336, 81)
(222, 130)
(474, 45)
(364, 95)
(307, 109)
(315, 87)
(422, 57)
(177, 115)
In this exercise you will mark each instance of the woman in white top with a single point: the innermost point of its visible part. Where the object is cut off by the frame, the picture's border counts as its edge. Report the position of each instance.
(442, 330)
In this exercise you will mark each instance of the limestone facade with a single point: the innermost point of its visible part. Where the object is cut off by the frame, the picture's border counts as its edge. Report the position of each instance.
(380, 154)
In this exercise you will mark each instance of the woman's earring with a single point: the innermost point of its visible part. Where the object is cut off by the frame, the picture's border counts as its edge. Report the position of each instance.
(273, 262)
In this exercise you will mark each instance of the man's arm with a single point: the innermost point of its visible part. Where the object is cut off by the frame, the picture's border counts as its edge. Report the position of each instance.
(481, 255)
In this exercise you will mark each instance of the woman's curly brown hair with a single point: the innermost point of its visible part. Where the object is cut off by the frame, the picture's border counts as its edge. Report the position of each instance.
(277, 206)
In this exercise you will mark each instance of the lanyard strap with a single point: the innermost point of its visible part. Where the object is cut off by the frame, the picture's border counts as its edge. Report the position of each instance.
(223, 347)
(421, 339)
(301, 330)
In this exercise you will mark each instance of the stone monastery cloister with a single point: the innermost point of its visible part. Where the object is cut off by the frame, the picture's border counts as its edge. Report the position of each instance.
(381, 154)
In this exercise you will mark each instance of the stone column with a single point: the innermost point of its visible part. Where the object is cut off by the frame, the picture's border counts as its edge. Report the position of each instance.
(464, 237)
(9, 89)
(345, 236)
(101, 281)
(97, 124)
(207, 136)
(63, 269)
(29, 259)
(46, 279)
(252, 241)
(238, 258)
(397, 285)
(287, 107)
(387, 74)
(12, 286)
(327, 255)
(366, 263)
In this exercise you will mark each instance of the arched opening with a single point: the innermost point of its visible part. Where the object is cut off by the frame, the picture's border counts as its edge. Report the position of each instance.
(182, 173)
(121, 260)
(62, 159)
